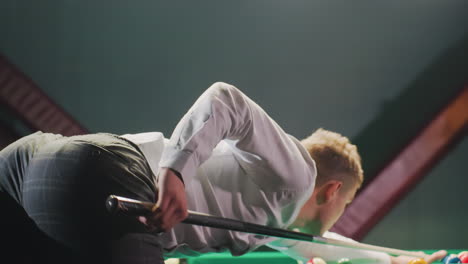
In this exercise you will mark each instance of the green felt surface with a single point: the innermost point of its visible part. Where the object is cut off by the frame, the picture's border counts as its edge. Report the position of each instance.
(263, 258)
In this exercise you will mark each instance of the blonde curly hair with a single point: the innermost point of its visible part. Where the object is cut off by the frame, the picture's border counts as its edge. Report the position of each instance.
(335, 157)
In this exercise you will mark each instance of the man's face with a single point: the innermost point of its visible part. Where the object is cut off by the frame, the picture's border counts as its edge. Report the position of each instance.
(331, 211)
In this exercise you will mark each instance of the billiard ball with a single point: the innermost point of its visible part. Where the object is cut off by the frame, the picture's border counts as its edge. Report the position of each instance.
(417, 261)
(462, 254)
(344, 261)
(172, 261)
(451, 259)
(319, 261)
(449, 256)
(445, 259)
(464, 258)
(316, 261)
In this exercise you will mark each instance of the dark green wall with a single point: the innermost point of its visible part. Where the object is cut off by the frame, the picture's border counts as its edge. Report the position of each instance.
(434, 215)
(122, 67)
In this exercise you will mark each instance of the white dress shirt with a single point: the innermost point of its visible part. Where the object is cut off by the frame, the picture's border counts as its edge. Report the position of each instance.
(236, 162)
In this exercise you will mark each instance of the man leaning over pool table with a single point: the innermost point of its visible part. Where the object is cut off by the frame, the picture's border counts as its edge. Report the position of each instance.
(228, 158)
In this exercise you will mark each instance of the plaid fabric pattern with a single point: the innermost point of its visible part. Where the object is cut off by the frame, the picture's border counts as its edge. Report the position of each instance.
(62, 183)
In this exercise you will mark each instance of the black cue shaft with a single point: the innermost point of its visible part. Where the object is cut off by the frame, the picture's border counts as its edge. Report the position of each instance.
(235, 225)
(116, 204)
(121, 205)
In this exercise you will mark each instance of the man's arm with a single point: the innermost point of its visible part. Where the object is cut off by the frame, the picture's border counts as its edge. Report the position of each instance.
(223, 112)
(304, 251)
(394, 260)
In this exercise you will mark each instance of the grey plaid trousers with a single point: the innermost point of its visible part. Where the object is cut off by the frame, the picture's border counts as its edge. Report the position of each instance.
(62, 184)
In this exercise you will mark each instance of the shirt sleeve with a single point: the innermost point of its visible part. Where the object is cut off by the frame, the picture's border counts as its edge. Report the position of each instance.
(223, 112)
(303, 251)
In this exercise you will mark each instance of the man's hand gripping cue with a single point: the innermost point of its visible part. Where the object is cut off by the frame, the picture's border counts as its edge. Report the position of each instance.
(171, 206)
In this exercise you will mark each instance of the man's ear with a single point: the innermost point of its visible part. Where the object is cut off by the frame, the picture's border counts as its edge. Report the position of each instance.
(328, 191)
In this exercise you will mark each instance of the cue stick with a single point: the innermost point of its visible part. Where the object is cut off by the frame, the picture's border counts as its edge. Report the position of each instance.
(122, 205)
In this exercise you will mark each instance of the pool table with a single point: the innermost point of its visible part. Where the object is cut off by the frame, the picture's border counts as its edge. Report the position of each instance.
(268, 257)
